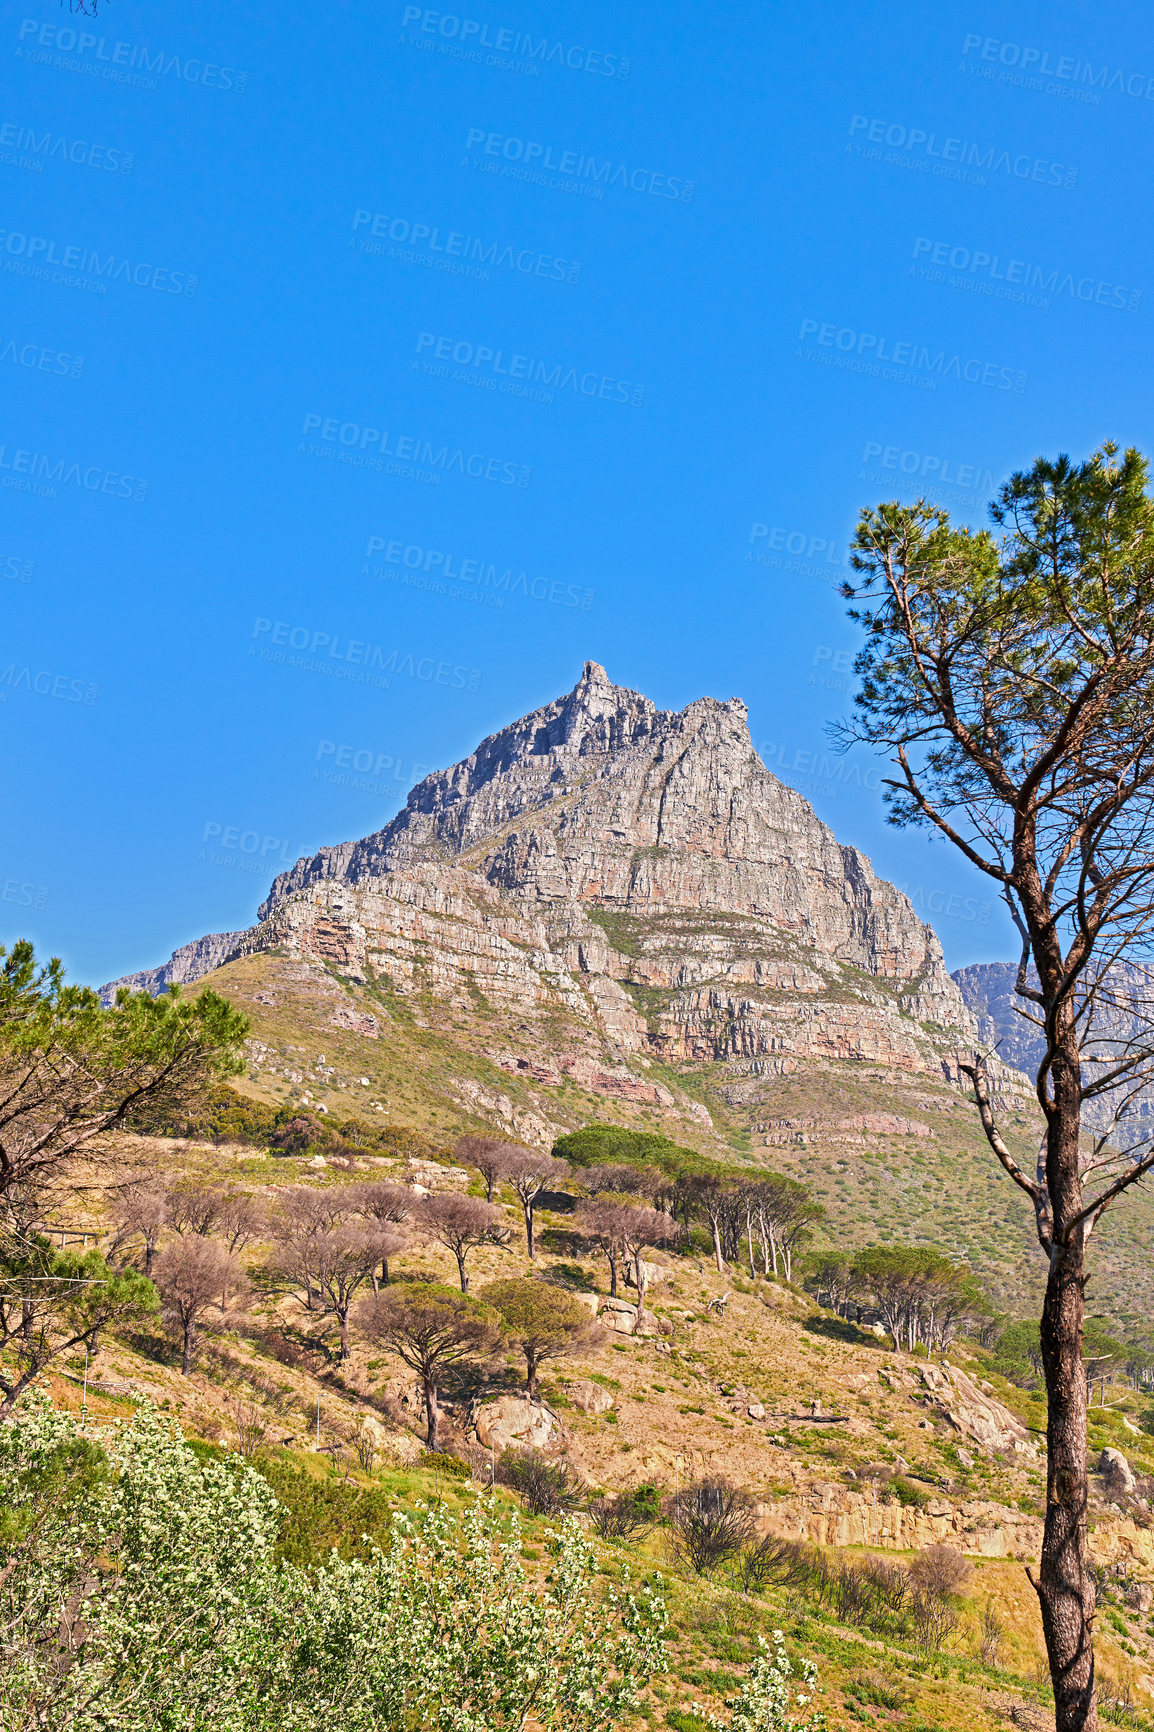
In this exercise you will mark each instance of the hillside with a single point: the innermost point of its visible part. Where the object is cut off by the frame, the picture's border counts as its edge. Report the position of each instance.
(841, 1442)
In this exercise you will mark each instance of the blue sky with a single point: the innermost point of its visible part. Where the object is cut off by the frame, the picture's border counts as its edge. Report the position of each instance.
(320, 320)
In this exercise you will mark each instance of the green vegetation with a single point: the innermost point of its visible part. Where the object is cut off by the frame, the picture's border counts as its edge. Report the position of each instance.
(188, 1616)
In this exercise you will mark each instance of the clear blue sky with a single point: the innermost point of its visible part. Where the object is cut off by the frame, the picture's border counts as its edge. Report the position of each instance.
(284, 285)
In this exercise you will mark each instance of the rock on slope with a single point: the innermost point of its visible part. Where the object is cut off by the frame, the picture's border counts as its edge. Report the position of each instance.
(640, 875)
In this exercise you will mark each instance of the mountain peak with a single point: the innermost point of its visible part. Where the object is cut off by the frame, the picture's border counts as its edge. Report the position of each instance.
(600, 803)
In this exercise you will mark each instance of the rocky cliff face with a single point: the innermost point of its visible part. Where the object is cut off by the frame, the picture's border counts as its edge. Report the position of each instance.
(188, 963)
(631, 885)
(601, 799)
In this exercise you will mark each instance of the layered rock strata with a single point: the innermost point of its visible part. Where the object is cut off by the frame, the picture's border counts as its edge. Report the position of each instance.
(638, 877)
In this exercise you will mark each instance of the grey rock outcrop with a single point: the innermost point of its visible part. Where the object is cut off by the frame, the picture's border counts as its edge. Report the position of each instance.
(187, 964)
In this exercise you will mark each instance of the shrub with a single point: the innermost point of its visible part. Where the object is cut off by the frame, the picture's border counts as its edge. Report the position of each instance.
(179, 1613)
(711, 1521)
(546, 1485)
(940, 1570)
(628, 1513)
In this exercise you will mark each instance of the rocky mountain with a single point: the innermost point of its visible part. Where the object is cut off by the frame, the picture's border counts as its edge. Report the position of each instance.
(988, 989)
(186, 964)
(638, 873)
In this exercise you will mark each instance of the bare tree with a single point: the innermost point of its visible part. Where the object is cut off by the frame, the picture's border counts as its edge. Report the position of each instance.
(241, 1219)
(1011, 678)
(710, 1520)
(620, 1180)
(335, 1265)
(140, 1210)
(528, 1172)
(485, 1154)
(388, 1205)
(641, 1228)
(604, 1225)
(429, 1327)
(460, 1224)
(195, 1208)
(190, 1276)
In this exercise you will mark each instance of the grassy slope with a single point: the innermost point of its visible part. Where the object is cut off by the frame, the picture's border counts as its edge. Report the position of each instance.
(674, 1414)
(945, 1190)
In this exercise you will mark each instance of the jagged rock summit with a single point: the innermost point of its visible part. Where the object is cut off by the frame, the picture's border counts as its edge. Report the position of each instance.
(601, 798)
(638, 876)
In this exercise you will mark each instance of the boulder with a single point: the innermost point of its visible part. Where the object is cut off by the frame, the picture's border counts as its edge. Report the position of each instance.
(620, 1315)
(511, 1422)
(589, 1397)
(756, 1410)
(1116, 1469)
(653, 1272)
(975, 1414)
(592, 1300)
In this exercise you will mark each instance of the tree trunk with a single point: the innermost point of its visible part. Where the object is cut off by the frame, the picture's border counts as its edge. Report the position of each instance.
(531, 1373)
(461, 1272)
(642, 1281)
(343, 1318)
(528, 1207)
(432, 1411)
(186, 1355)
(1065, 1587)
(749, 1241)
(717, 1245)
(612, 1277)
